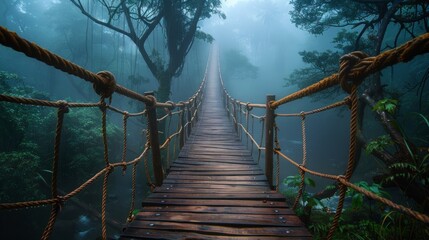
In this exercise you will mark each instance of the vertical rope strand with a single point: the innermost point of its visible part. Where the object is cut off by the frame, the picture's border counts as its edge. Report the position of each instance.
(124, 150)
(351, 161)
(304, 162)
(54, 184)
(133, 194)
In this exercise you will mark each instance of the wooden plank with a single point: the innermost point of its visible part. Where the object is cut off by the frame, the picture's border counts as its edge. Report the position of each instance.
(216, 187)
(217, 178)
(241, 196)
(215, 209)
(210, 172)
(201, 189)
(240, 183)
(238, 220)
(136, 233)
(222, 230)
(209, 202)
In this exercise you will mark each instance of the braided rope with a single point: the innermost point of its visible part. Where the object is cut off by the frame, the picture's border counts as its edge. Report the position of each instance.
(130, 217)
(124, 149)
(352, 156)
(104, 203)
(365, 67)
(145, 160)
(318, 110)
(304, 161)
(47, 232)
(100, 81)
(54, 183)
(38, 102)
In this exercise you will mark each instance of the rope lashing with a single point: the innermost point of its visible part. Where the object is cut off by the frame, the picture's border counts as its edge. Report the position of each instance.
(107, 86)
(347, 62)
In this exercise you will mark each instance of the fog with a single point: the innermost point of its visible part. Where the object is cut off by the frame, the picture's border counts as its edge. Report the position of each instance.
(259, 47)
(262, 33)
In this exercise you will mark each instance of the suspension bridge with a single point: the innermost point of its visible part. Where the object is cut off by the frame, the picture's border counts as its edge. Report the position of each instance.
(213, 189)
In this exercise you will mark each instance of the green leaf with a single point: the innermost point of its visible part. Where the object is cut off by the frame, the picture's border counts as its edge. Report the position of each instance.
(357, 200)
(309, 182)
(386, 104)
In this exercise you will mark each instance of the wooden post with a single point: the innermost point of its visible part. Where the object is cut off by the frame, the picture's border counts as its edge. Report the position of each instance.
(189, 116)
(154, 142)
(182, 125)
(269, 136)
(234, 114)
(227, 107)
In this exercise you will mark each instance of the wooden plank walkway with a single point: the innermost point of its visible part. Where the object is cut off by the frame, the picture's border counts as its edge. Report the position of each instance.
(215, 190)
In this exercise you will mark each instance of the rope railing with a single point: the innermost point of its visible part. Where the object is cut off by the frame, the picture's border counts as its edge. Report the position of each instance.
(354, 68)
(104, 85)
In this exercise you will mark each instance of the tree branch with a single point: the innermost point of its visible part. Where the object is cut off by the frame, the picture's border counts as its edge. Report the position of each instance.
(79, 5)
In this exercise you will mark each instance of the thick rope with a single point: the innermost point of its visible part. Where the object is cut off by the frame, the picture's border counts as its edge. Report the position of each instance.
(124, 149)
(12, 40)
(365, 67)
(54, 183)
(130, 217)
(304, 161)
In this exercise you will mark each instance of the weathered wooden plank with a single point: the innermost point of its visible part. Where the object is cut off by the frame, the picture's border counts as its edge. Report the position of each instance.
(218, 187)
(225, 219)
(215, 209)
(238, 196)
(214, 182)
(201, 189)
(210, 172)
(217, 178)
(209, 202)
(136, 233)
(222, 230)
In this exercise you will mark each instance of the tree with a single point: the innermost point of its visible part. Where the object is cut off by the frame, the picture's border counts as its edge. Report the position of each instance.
(138, 20)
(371, 26)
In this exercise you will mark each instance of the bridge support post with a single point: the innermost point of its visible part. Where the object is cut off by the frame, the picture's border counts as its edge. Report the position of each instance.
(234, 114)
(182, 125)
(154, 141)
(188, 117)
(269, 137)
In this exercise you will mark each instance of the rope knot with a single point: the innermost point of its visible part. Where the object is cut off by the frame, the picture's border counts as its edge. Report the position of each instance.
(63, 105)
(347, 62)
(172, 106)
(302, 113)
(110, 168)
(107, 85)
(248, 107)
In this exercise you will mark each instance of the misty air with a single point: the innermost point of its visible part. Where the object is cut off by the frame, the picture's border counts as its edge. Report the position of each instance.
(214, 119)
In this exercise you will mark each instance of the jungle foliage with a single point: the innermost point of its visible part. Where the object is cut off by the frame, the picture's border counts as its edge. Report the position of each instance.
(399, 104)
(362, 218)
(27, 138)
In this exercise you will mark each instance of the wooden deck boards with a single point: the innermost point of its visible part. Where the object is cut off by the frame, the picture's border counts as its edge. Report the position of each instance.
(215, 190)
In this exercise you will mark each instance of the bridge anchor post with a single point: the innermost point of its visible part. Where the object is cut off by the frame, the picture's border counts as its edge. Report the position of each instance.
(269, 140)
(154, 141)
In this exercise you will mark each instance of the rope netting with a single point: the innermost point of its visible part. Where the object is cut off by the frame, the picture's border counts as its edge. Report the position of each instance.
(353, 70)
(104, 85)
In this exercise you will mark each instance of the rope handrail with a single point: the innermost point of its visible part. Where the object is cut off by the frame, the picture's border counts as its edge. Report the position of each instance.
(104, 84)
(354, 68)
(363, 68)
